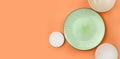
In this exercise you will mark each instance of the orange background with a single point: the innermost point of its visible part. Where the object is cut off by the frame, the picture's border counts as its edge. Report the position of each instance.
(25, 26)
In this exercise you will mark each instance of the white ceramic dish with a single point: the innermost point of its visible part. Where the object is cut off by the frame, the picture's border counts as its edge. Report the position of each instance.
(102, 5)
(56, 39)
(106, 51)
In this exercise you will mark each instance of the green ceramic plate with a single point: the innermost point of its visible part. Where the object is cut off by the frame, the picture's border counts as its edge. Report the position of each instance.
(84, 29)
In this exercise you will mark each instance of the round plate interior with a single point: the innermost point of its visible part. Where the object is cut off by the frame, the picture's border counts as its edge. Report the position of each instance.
(84, 29)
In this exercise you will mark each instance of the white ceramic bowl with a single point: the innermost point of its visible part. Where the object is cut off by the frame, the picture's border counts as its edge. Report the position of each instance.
(106, 51)
(56, 39)
(102, 5)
